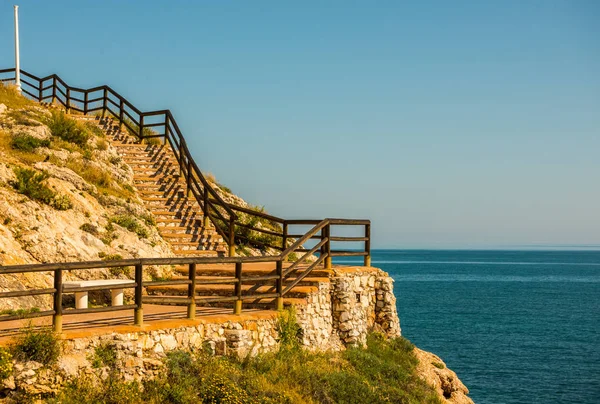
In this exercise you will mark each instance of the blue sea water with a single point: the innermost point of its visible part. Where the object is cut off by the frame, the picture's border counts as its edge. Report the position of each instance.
(516, 326)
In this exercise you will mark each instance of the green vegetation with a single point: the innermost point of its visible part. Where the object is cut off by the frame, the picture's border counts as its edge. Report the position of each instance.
(382, 373)
(90, 228)
(115, 271)
(31, 183)
(37, 345)
(21, 313)
(24, 117)
(290, 332)
(438, 365)
(65, 128)
(27, 143)
(105, 355)
(132, 224)
(6, 366)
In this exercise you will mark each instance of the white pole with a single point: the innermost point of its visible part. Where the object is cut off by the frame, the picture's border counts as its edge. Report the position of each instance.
(17, 61)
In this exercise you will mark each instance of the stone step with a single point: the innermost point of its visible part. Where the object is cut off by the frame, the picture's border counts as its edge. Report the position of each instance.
(198, 253)
(320, 273)
(228, 290)
(192, 246)
(175, 231)
(308, 281)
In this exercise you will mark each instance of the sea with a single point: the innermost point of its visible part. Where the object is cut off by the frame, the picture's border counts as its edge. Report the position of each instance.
(516, 326)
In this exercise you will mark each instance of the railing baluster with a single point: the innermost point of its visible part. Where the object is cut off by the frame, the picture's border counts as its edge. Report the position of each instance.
(192, 291)
(57, 317)
(53, 89)
(139, 311)
(327, 246)
(206, 218)
(367, 261)
(40, 86)
(68, 99)
(85, 102)
(284, 237)
(231, 236)
(141, 128)
(238, 288)
(121, 112)
(104, 102)
(279, 286)
(189, 178)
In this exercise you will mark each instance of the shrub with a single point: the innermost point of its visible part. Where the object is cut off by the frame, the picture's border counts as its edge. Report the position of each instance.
(290, 332)
(24, 117)
(105, 355)
(68, 129)
(93, 129)
(101, 144)
(22, 313)
(132, 224)
(31, 184)
(89, 228)
(6, 366)
(27, 143)
(37, 345)
(61, 202)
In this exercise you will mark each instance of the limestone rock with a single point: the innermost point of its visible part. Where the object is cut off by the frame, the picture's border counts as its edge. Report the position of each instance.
(445, 382)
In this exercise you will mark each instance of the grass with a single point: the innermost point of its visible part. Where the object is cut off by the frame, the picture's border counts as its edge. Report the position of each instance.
(31, 183)
(27, 143)
(6, 365)
(37, 345)
(105, 355)
(12, 99)
(65, 128)
(21, 313)
(382, 373)
(132, 224)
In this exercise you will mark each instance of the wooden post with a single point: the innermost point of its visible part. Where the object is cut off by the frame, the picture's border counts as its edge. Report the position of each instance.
(121, 112)
(328, 247)
(238, 288)
(68, 99)
(139, 311)
(284, 236)
(57, 317)
(188, 192)
(279, 286)
(85, 102)
(368, 245)
(40, 87)
(231, 237)
(104, 102)
(206, 217)
(141, 128)
(180, 158)
(53, 89)
(192, 291)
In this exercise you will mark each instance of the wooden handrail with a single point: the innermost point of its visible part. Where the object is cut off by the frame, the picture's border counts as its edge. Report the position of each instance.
(213, 205)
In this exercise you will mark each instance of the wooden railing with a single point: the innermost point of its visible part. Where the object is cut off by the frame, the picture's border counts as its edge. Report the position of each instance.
(275, 279)
(161, 124)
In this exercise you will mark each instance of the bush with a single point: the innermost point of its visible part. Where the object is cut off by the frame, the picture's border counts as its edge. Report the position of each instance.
(37, 345)
(90, 228)
(105, 355)
(68, 129)
(31, 184)
(132, 224)
(101, 144)
(6, 366)
(27, 143)
(290, 332)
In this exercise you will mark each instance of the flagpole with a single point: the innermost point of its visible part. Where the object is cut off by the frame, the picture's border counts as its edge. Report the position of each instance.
(17, 60)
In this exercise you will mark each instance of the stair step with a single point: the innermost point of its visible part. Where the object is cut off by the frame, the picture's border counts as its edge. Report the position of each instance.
(203, 253)
(221, 271)
(227, 290)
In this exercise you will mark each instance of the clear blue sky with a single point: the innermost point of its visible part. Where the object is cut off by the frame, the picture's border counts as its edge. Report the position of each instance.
(449, 124)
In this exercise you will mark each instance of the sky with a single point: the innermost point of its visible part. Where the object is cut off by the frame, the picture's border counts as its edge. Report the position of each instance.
(463, 124)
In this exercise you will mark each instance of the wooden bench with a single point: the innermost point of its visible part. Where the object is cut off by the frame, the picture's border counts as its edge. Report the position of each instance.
(81, 289)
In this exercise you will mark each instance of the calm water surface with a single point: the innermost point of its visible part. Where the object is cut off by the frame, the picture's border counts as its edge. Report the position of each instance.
(516, 326)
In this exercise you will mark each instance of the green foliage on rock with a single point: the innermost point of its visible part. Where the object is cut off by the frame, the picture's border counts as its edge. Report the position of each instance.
(27, 143)
(383, 372)
(68, 129)
(31, 183)
(37, 345)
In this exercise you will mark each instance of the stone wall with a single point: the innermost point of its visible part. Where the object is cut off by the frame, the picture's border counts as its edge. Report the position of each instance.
(340, 313)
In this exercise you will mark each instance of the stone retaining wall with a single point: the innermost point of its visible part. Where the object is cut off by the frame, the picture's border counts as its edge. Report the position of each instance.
(340, 313)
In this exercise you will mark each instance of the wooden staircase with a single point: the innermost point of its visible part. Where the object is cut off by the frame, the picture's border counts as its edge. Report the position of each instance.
(180, 221)
(179, 218)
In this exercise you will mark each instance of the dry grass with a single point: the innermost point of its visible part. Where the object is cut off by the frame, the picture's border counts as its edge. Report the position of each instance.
(12, 99)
